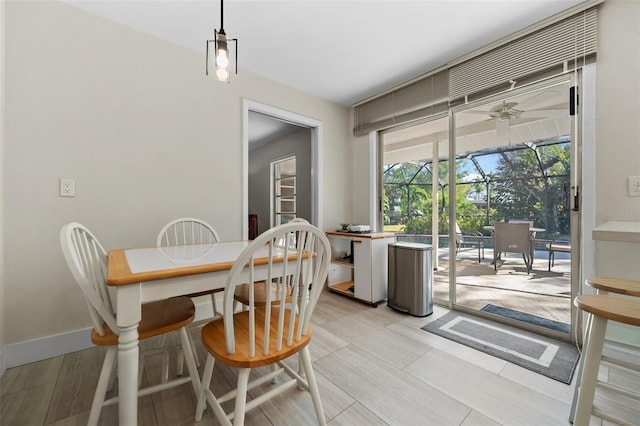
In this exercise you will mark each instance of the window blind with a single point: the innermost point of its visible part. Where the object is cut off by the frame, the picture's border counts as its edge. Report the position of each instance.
(548, 49)
(569, 42)
(426, 96)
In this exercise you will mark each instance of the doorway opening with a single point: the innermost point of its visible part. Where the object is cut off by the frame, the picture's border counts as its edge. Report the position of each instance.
(296, 135)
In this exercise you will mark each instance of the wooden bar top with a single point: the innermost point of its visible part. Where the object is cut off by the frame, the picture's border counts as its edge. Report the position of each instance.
(626, 311)
(615, 285)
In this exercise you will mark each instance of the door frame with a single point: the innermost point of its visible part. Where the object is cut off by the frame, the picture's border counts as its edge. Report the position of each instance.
(573, 79)
(316, 156)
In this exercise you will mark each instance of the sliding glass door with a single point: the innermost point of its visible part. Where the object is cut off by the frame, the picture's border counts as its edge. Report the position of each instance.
(513, 179)
(415, 191)
(513, 160)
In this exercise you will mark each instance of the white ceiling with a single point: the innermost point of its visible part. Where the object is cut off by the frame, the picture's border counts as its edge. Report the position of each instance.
(342, 51)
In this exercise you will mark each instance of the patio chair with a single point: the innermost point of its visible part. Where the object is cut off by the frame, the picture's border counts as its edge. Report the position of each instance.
(562, 244)
(475, 239)
(532, 234)
(513, 238)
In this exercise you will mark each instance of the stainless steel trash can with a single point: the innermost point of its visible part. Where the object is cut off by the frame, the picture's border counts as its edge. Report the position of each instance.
(410, 278)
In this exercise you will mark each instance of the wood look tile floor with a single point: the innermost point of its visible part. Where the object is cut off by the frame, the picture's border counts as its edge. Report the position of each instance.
(374, 366)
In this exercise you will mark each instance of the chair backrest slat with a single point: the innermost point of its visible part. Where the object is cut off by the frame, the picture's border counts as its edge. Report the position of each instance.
(300, 267)
(186, 230)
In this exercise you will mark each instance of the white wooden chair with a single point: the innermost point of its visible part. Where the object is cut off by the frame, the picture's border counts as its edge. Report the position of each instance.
(86, 259)
(241, 294)
(189, 230)
(184, 231)
(268, 335)
(513, 237)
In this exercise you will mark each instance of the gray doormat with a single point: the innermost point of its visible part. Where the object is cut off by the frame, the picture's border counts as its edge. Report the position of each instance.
(550, 357)
(528, 318)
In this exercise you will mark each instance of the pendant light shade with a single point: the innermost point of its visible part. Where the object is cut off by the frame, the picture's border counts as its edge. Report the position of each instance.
(219, 53)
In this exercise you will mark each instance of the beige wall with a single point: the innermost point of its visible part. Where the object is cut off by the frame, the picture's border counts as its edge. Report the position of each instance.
(618, 110)
(618, 140)
(146, 137)
(617, 125)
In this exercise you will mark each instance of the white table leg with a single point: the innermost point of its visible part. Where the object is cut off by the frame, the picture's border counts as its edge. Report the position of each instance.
(128, 352)
(129, 314)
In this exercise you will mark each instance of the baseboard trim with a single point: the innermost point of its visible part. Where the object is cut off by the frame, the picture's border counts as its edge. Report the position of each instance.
(46, 347)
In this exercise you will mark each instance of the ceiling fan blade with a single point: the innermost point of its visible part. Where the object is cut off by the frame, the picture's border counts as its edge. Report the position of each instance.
(537, 99)
(545, 113)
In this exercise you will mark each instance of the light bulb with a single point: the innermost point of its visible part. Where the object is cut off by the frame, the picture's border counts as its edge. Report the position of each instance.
(222, 59)
(222, 74)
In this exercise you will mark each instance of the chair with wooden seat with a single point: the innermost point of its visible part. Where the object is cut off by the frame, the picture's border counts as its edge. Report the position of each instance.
(605, 286)
(242, 291)
(184, 231)
(601, 310)
(270, 334)
(86, 258)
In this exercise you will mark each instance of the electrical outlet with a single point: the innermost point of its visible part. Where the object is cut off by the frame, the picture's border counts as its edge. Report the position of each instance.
(634, 186)
(67, 187)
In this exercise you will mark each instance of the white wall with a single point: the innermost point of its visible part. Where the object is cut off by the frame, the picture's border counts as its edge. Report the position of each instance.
(146, 136)
(618, 109)
(618, 139)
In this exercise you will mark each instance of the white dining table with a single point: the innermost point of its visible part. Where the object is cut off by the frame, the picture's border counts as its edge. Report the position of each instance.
(142, 275)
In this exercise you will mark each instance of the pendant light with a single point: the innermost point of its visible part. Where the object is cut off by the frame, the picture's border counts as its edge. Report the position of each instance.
(218, 52)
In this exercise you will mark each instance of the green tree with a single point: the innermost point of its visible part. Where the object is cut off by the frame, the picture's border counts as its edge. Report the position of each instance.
(532, 184)
(409, 185)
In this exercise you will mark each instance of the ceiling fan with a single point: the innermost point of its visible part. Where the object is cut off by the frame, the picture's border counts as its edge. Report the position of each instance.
(505, 111)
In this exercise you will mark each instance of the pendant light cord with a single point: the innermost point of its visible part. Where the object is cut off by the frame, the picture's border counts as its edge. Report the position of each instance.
(222, 16)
